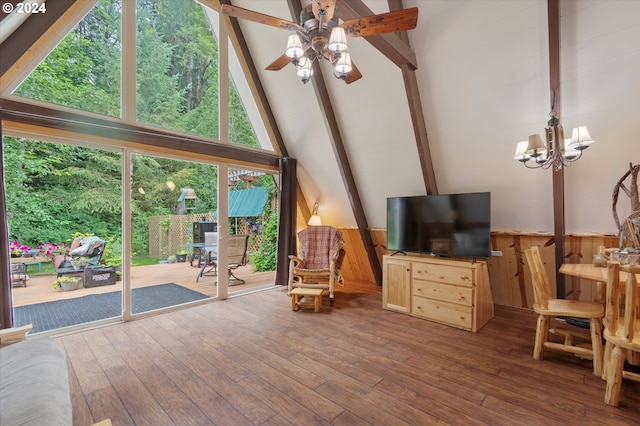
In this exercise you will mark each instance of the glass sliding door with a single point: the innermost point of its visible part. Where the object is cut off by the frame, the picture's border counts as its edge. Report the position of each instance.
(253, 221)
(64, 205)
(173, 232)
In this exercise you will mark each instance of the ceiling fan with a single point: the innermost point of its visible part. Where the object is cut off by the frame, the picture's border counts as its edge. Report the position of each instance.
(320, 36)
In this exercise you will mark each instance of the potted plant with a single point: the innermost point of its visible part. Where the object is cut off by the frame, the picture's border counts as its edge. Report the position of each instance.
(171, 259)
(181, 256)
(66, 283)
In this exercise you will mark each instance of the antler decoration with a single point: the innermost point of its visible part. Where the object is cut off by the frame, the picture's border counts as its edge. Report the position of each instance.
(629, 230)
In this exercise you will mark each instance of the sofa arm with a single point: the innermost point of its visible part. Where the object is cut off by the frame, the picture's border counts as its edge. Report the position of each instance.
(34, 383)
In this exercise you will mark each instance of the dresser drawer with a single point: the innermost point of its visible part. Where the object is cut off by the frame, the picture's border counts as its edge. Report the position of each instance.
(442, 273)
(447, 313)
(444, 292)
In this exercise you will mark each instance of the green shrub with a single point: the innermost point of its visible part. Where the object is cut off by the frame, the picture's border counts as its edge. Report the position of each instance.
(266, 258)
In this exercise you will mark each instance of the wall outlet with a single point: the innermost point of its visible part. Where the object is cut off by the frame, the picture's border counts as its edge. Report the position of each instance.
(496, 253)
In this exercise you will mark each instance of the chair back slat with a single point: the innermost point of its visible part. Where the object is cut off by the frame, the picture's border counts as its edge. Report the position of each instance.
(541, 286)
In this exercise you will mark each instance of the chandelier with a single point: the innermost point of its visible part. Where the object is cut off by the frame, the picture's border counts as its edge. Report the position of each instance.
(322, 39)
(555, 150)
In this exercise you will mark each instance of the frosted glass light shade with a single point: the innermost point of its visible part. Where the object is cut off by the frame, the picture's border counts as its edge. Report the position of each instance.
(337, 40)
(343, 66)
(294, 46)
(304, 68)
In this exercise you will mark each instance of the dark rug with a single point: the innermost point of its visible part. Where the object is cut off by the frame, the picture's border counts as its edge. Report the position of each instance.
(63, 313)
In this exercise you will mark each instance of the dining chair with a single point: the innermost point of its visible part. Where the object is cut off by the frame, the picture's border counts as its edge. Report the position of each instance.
(622, 329)
(548, 309)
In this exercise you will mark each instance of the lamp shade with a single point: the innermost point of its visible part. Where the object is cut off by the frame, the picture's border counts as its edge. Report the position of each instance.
(337, 40)
(315, 221)
(521, 151)
(343, 66)
(580, 138)
(304, 68)
(294, 46)
(535, 146)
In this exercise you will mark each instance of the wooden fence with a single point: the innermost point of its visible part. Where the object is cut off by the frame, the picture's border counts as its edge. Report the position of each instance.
(171, 233)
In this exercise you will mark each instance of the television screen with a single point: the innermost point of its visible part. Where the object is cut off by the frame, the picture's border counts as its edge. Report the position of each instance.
(453, 225)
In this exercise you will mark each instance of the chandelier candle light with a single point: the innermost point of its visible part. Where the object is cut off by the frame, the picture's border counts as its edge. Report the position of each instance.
(556, 150)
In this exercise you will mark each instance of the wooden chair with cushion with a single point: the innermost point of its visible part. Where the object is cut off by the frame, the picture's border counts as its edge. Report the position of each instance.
(548, 309)
(622, 329)
(319, 259)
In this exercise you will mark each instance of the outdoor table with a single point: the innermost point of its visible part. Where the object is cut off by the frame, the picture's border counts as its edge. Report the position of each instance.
(29, 260)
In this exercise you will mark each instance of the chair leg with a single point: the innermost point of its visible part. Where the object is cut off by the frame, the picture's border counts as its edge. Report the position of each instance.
(614, 377)
(595, 324)
(606, 360)
(542, 335)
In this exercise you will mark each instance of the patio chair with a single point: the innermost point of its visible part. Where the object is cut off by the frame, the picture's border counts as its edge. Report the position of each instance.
(83, 252)
(319, 259)
(236, 257)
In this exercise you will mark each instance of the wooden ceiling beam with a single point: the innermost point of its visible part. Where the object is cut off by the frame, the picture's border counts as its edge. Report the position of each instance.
(395, 47)
(36, 37)
(63, 121)
(390, 45)
(553, 23)
(335, 137)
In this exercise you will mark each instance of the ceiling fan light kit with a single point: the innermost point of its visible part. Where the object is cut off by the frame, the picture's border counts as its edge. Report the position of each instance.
(320, 36)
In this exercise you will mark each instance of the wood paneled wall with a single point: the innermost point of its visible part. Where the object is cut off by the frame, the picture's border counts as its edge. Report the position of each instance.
(509, 275)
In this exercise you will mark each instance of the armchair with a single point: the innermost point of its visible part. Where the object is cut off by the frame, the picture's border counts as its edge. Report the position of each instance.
(319, 260)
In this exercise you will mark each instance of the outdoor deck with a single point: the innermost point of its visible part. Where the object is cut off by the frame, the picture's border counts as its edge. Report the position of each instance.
(39, 287)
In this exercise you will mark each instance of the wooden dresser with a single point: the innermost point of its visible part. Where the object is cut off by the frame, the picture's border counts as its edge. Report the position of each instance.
(451, 292)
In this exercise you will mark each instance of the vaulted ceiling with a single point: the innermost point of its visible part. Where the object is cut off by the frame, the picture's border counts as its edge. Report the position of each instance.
(438, 109)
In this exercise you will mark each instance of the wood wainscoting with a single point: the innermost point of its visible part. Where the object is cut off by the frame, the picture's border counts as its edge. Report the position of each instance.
(509, 276)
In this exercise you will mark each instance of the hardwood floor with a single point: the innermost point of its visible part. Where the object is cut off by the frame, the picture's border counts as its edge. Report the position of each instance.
(251, 360)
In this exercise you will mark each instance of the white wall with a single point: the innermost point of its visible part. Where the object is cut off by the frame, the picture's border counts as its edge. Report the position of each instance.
(484, 66)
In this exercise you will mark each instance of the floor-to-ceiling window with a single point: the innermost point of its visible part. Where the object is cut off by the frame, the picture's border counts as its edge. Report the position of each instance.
(147, 205)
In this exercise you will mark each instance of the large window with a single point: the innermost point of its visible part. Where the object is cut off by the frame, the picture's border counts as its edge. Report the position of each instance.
(137, 201)
(83, 71)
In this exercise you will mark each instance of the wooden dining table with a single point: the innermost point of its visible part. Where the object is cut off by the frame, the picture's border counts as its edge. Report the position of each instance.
(588, 271)
(599, 276)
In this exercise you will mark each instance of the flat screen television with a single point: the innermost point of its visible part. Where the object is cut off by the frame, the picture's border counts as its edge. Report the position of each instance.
(451, 225)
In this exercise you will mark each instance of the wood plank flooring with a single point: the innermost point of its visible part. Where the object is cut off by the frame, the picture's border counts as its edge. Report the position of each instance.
(250, 360)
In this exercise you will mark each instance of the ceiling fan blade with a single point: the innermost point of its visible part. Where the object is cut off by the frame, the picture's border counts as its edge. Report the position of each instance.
(329, 5)
(400, 20)
(250, 15)
(279, 63)
(354, 75)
